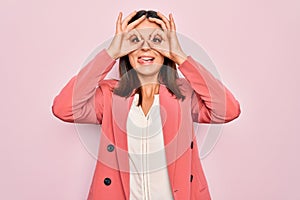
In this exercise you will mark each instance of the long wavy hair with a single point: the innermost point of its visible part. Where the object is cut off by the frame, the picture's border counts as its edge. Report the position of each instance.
(129, 83)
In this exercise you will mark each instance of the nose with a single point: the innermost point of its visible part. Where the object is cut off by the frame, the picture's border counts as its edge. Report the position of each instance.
(145, 45)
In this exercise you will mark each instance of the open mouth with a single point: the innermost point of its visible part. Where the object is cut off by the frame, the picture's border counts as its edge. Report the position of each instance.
(145, 60)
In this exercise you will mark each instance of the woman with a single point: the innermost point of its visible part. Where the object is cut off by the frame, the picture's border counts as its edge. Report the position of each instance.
(148, 149)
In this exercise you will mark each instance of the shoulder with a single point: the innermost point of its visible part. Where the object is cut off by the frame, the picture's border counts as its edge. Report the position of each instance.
(107, 84)
(184, 85)
(181, 81)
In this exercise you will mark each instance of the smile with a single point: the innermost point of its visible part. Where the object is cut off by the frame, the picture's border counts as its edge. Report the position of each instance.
(145, 60)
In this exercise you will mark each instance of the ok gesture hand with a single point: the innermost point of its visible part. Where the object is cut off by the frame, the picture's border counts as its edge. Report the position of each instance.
(122, 43)
(168, 45)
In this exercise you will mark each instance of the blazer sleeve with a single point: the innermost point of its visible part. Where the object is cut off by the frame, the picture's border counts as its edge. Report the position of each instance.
(212, 102)
(81, 100)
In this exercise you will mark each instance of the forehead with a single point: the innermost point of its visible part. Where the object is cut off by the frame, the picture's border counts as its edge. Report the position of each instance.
(146, 27)
(146, 24)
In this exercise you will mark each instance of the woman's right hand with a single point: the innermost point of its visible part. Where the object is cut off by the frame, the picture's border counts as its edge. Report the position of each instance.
(125, 39)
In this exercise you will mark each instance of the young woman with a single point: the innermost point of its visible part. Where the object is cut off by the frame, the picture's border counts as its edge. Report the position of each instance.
(148, 150)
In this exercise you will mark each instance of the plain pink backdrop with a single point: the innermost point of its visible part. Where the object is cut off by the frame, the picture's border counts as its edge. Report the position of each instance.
(254, 44)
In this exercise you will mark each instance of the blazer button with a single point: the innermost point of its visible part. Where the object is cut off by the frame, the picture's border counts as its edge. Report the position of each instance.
(107, 181)
(110, 147)
(192, 145)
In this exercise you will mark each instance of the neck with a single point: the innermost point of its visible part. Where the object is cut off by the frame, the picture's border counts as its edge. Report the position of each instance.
(150, 89)
(149, 85)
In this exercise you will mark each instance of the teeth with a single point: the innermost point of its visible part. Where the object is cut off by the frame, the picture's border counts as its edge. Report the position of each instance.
(146, 59)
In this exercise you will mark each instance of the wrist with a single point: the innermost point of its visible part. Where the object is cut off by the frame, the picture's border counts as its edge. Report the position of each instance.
(180, 58)
(111, 53)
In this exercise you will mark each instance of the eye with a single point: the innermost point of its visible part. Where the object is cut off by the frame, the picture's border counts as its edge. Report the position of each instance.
(157, 39)
(134, 39)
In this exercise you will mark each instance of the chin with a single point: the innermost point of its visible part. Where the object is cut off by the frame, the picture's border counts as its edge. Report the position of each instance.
(148, 70)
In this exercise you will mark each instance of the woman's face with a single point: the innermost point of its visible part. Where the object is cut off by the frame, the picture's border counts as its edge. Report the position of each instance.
(146, 61)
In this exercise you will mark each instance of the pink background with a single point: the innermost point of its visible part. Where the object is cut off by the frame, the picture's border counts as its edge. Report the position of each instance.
(254, 44)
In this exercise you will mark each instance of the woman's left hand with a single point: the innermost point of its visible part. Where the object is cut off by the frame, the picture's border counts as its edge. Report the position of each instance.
(169, 45)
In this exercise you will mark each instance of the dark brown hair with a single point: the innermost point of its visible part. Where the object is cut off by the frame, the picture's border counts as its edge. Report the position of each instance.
(130, 82)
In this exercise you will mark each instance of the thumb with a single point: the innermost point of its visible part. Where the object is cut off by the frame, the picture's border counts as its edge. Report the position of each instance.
(160, 48)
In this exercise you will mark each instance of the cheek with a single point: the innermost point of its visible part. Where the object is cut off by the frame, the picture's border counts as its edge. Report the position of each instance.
(161, 60)
(132, 60)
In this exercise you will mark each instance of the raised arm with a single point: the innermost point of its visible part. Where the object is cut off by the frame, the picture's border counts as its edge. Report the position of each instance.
(76, 101)
(212, 102)
(81, 100)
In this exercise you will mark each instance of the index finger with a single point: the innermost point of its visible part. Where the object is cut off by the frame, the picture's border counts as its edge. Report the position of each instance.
(158, 21)
(135, 23)
(160, 33)
(165, 19)
(127, 19)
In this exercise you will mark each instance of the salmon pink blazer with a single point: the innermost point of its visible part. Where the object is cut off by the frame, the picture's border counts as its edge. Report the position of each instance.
(89, 98)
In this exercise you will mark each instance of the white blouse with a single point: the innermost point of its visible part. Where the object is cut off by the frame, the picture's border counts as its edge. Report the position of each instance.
(149, 179)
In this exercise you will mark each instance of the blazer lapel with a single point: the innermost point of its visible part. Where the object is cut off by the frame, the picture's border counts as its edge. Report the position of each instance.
(170, 112)
(120, 109)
